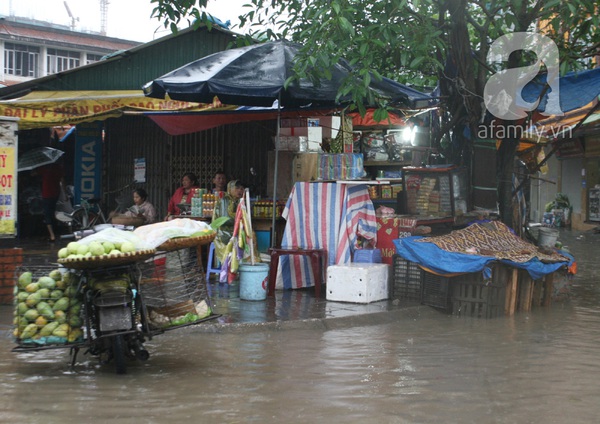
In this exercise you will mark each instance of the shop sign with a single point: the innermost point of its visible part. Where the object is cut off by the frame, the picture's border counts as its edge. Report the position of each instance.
(8, 177)
(87, 177)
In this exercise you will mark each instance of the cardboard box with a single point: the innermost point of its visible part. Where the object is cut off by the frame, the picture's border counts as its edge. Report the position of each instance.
(330, 125)
(357, 282)
(292, 143)
(311, 133)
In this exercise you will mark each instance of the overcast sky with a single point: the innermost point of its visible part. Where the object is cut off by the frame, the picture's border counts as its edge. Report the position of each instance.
(127, 19)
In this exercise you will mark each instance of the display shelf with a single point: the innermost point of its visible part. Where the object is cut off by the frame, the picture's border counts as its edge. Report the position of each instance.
(435, 191)
(377, 163)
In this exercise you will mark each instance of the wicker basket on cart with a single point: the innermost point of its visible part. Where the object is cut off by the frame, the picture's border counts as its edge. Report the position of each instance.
(174, 289)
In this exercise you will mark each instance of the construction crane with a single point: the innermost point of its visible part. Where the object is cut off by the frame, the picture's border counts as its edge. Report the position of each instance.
(103, 16)
(73, 19)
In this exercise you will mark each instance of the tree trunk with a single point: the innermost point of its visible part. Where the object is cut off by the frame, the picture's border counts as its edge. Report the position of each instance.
(505, 157)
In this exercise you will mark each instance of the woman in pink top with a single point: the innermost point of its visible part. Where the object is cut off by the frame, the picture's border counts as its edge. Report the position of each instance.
(189, 182)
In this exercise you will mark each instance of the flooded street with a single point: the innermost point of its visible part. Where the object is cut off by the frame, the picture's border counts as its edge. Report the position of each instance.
(426, 367)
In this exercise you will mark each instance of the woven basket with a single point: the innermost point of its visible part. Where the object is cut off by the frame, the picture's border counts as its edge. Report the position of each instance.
(134, 221)
(107, 260)
(185, 242)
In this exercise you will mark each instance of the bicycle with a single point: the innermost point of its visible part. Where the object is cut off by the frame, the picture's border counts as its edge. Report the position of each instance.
(83, 219)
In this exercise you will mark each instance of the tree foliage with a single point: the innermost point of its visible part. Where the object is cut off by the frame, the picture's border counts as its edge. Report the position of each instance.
(419, 42)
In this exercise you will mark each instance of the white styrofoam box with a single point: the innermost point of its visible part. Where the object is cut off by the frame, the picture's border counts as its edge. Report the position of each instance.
(357, 282)
(314, 146)
(312, 133)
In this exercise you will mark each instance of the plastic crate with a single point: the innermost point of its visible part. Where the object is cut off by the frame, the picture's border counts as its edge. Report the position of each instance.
(371, 256)
(406, 280)
(435, 291)
(473, 297)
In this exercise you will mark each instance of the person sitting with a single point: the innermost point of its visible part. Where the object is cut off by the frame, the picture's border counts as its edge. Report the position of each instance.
(227, 206)
(142, 208)
(219, 182)
(184, 194)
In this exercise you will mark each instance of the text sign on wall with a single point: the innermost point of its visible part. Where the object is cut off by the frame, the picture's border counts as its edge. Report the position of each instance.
(139, 170)
(87, 176)
(8, 178)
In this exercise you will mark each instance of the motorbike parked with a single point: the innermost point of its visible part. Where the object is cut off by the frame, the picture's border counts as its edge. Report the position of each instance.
(116, 318)
(109, 310)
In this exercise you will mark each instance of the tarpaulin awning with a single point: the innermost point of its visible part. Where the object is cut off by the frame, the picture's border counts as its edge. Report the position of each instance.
(179, 123)
(369, 121)
(577, 89)
(42, 109)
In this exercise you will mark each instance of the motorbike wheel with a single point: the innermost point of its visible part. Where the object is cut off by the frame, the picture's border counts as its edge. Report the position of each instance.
(118, 343)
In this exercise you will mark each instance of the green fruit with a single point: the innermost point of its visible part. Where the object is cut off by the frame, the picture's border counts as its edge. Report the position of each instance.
(60, 317)
(75, 321)
(96, 248)
(62, 330)
(32, 287)
(25, 279)
(49, 328)
(22, 308)
(56, 294)
(33, 299)
(47, 283)
(45, 310)
(61, 304)
(108, 246)
(75, 309)
(55, 274)
(72, 247)
(31, 315)
(44, 293)
(63, 253)
(127, 247)
(29, 331)
(82, 249)
(22, 295)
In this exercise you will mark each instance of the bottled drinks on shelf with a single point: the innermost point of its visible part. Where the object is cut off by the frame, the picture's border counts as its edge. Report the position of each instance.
(264, 208)
(208, 204)
(197, 202)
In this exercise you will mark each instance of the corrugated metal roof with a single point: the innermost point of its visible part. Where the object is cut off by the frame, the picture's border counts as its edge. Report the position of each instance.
(22, 32)
(130, 69)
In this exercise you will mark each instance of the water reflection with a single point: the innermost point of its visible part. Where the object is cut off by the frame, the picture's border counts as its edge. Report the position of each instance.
(534, 367)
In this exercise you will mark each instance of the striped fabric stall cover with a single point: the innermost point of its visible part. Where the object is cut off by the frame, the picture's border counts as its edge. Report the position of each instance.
(324, 216)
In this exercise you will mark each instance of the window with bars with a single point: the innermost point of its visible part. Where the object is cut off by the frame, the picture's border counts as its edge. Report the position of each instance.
(21, 60)
(61, 60)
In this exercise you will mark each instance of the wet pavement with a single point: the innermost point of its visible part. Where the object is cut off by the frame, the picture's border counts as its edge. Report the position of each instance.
(287, 309)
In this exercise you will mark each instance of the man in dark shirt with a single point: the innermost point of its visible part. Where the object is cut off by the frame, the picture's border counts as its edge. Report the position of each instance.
(52, 177)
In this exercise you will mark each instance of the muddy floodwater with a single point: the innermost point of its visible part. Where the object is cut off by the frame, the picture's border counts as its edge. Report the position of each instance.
(424, 367)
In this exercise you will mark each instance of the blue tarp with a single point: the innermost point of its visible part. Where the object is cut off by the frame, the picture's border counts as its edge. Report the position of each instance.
(577, 89)
(442, 262)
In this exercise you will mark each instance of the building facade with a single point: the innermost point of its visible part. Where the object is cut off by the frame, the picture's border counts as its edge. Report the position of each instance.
(32, 49)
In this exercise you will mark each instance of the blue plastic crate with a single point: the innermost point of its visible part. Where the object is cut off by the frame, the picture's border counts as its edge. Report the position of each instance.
(370, 256)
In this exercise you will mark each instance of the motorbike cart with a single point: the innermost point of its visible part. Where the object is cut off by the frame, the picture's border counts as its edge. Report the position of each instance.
(109, 306)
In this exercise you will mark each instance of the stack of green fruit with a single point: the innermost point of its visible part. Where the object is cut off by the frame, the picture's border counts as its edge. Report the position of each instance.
(78, 250)
(47, 308)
